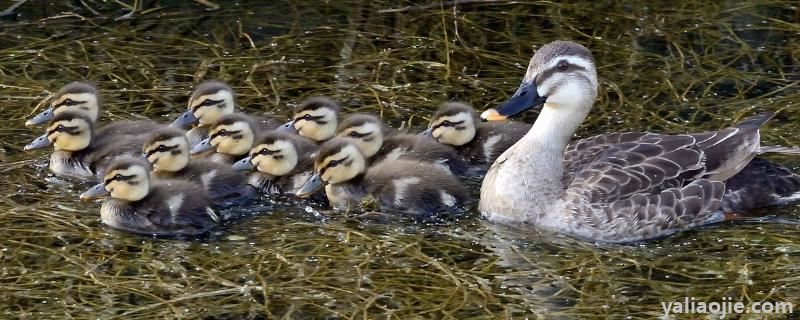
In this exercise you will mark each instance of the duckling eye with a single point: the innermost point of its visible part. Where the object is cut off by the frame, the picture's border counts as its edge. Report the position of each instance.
(562, 65)
(118, 177)
(307, 117)
(334, 163)
(223, 132)
(161, 148)
(264, 152)
(69, 102)
(61, 128)
(446, 123)
(353, 134)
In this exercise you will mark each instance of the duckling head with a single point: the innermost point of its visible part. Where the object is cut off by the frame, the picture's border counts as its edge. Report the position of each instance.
(274, 154)
(366, 131)
(167, 150)
(233, 134)
(338, 161)
(210, 101)
(126, 178)
(315, 118)
(68, 131)
(75, 96)
(453, 124)
(561, 76)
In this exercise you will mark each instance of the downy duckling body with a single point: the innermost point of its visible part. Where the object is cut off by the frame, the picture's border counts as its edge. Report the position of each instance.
(209, 102)
(378, 143)
(140, 205)
(400, 185)
(83, 97)
(315, 118)
(231, 138)
(80, 152)
(167, 150)
(284, 163)
(456, 124)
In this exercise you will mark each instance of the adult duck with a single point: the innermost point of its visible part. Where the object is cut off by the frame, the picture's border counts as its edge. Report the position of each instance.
(617, 187)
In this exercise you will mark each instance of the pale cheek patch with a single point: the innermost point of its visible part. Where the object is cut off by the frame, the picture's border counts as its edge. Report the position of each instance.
(174, 204)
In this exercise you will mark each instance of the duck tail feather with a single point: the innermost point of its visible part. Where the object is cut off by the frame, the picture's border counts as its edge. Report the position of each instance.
(756, 120)
(779, 149)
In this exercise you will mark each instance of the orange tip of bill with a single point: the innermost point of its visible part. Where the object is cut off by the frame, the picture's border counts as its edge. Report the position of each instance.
(493, 115)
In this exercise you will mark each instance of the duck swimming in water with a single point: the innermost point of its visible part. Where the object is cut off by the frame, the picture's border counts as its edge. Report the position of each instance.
(231, 138)
(617, 187)
(315, 118)
(161, 208)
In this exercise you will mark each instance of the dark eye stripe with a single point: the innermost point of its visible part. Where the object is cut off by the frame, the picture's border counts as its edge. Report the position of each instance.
(355, 134)
(447, 124)
(119, 177)
(207, 103)
(549, 72)
(67, 102)
(166, 148)
(311, 118)
(223, 134)
(68, 130)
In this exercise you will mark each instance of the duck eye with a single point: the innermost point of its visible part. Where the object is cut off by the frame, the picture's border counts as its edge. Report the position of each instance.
(223, 132)
(307, 117)
(69, 102)
(60, 128)
(161, 148)
(447, 123)
(353, 134)
(563, 65)
(264, 151)
(118, 177)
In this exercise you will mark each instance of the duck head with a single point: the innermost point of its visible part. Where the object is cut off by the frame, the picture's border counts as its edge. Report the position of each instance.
(453, 124)
(209, 102)
(68, 131)
(338, 161)
(315, 118)
(167, 150)
(561, 76)
(274, 153)
(233, 134)
(366, 131)
(76, 96)
(126, 178)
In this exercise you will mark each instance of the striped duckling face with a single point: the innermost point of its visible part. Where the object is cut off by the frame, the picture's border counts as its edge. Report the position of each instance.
(167, 150)
(366, 131)
(68, 131)
(316, 119)
(453, 124)
(210, 101)
(338, 161)
(232, 134)
(125, 179)
(79, 97)
(274, 156)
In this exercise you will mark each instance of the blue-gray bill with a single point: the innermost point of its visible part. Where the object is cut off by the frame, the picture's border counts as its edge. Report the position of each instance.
(243, 165)
(287, 128)
(41, 118)
(96, 192)
(39, 142)
(525, 98)
(313, 184)
(427, 133)
(185, 119)
(201, 146)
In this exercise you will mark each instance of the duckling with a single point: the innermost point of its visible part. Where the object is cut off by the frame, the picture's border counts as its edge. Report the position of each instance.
(81, 151)
(315, 118)
(285, 162)
(377, 143)
(167, 150)
(231, 137)
(210, 101)
(401, 185)
(457, 124)
(83, 97)
(140, 205)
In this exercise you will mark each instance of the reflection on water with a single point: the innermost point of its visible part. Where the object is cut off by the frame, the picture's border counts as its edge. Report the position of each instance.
(672, 67)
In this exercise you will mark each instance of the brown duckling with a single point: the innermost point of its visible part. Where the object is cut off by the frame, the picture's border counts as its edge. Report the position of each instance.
(211, 101)
(167, 150)
(407, 186)
(231, 138)
(377, 142)
(315, 119)
(81, 151)
(456, 124)
(140, 205)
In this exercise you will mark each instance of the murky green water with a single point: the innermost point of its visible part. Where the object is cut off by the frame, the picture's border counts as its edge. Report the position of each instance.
(677, 67)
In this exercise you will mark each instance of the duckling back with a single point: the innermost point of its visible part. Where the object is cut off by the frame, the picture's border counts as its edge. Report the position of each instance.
(414, 187)
(414, 147)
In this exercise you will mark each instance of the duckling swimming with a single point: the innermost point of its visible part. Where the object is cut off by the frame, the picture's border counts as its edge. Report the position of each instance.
(210, 101)
(456, 124)
(377, 143)
(232, 137)
(315, 119)
(616, 187)
(167, 150)
(398, 185)
(161, 208)
(81, 151)
(285, 160)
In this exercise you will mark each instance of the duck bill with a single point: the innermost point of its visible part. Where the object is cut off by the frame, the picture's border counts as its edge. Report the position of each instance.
(96, 192)
(38, 143)
(287, 128)
(41, 118)
(243, 165)
(201, 146)
(313, 184)
(525, 98)
(428, 133)
(185, 119)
